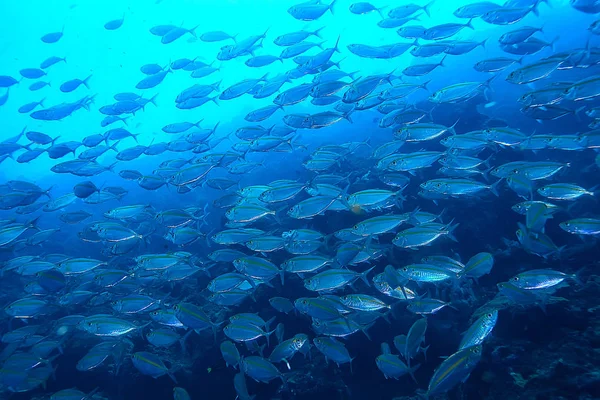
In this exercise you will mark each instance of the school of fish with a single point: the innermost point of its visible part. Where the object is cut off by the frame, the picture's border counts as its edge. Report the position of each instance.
(141, 283)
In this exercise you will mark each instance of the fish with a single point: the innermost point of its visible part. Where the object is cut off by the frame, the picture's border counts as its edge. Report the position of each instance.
(454, 370)
(479, 331)
(130, 233)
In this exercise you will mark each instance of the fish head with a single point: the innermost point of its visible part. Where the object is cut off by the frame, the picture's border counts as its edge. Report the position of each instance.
(566, 225)
(447, 141)
(395, 163)
(459, 11)
(156, 314)
(298, 341)
(288, 234)
(491, 317)
(358, 229)
(444, 160)
(570, 92)
(519, 208)
(436, 97)
(350, 94)
(515, 76)
(402, 134)
(399, 239)
(287, 265)
(526, 99)
(301, 304)
(294, 211)
(238, 264)
(89, 326)
(520, 235)
(496, 172)
(265, 196)
(310, 283)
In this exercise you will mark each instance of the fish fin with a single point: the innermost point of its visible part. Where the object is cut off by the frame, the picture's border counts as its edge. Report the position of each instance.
(318, 31)
(85, 81)
(331, 7)
(469, 24)
(363, 276)
(269, 322)
(427, 7)
(494, 188)
(412, 370)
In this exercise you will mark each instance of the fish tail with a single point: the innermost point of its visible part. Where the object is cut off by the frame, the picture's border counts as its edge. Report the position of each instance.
(85, 81)
(215, 329)
(427, 7)
(363, 276)
(553, 42)
(577, 277)
(337, 42)
(331, 6)
(450, 228)
(364, 330)
(33, 223)
(170, 373)
(470, 24)
(347, 116)
(153, 100)
(494, 188)
(412, 370)
(424, 350)
(317, 33)
(91, 394)
(269, 322)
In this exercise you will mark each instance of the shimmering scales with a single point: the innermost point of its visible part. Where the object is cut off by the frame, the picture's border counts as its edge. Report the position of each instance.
(390, 188)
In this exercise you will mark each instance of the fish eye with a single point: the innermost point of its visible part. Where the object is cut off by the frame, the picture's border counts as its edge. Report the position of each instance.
(490, 315)
(516, 279)
(89, 324)
(304, 302)
(355, 227)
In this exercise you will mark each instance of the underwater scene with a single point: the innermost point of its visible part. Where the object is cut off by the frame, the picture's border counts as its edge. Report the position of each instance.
(287, 199)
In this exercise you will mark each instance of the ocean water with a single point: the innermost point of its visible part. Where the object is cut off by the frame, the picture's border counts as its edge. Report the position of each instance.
(84, 253)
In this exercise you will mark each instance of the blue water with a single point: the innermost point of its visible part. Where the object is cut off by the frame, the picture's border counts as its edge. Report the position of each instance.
(544, 349)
